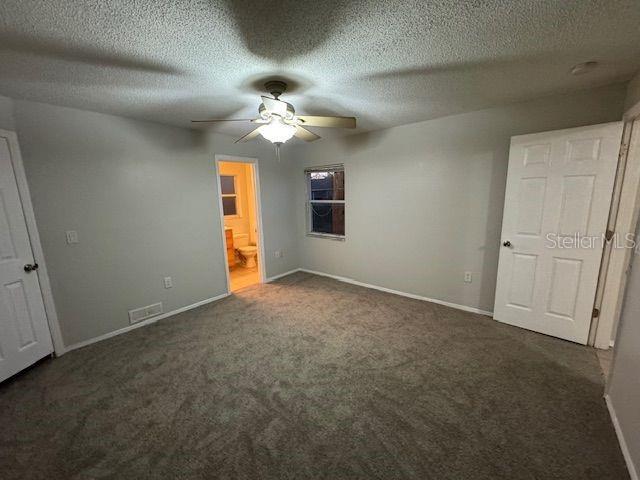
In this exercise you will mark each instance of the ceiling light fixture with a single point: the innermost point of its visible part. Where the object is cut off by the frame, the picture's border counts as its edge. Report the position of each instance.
(276, 131)
(584, 67)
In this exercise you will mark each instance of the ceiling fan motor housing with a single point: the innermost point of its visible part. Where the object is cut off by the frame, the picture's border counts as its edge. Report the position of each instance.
(262, 111)
(276, 88)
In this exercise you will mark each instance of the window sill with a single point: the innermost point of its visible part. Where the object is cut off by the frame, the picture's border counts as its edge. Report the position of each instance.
(328, 236)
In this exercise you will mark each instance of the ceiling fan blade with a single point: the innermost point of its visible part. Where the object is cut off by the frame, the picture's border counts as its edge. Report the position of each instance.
(275, 106)
(335, 122)
(305, 134)
(249, 136)
(213, 120)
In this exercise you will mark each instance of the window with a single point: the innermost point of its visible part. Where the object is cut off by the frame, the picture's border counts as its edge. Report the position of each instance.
(229, 196)
(326, 203)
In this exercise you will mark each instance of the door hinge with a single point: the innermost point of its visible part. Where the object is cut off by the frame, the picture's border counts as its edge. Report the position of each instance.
(609, 235)
(596, 313)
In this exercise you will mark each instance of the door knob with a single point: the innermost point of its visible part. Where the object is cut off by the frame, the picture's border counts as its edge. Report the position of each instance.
(30, 267)
(506, 243)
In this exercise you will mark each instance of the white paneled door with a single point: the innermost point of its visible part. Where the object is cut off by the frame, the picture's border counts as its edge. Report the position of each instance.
(557, 201)
(24, 332)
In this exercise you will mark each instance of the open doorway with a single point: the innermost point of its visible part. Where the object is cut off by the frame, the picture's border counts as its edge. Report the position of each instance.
(239, 200)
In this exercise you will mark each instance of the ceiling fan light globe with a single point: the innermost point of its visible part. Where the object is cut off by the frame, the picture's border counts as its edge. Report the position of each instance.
(276, 131)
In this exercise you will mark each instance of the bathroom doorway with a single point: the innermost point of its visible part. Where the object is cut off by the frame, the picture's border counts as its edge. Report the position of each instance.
(240, 215)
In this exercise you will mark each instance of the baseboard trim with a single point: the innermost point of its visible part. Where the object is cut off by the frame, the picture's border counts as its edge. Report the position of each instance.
(398, 292)
(268, 280)
(276, 277)
(144, 323)
(633, 473)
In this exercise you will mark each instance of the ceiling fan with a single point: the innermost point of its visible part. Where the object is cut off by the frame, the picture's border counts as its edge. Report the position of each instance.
(278, 121)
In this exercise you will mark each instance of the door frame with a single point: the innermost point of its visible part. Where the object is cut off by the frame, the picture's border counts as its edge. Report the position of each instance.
(613, 274)
(34, 239)
(256, 191)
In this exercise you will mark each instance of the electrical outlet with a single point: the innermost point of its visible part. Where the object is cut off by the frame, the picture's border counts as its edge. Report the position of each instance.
(168, 283)
(72, 236)
(468, 277)
(278, 254)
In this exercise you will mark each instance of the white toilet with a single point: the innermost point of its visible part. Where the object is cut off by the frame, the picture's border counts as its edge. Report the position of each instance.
(248, 253)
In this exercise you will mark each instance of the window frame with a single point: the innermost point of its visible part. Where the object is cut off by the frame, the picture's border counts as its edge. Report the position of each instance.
(238, 213)
(309, 202)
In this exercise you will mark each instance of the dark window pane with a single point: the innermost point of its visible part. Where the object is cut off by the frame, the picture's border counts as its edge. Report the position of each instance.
(227, 185)
(327, 218)
(327, 185)
(229, 205)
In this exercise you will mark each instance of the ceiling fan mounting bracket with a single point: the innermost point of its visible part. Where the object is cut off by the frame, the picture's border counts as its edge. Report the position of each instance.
(275, 87)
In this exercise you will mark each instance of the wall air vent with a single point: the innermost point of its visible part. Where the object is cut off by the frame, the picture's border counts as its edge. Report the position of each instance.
(139, 314)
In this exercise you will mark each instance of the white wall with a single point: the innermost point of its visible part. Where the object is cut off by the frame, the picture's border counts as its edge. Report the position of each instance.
(424, 201)
(142, 197)
(633, 94)
(6, 114)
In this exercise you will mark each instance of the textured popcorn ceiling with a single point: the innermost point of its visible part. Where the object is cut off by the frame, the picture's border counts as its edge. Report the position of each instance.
(387, 62)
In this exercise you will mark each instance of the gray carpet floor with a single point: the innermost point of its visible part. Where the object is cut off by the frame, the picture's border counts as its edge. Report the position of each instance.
(308, 378)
